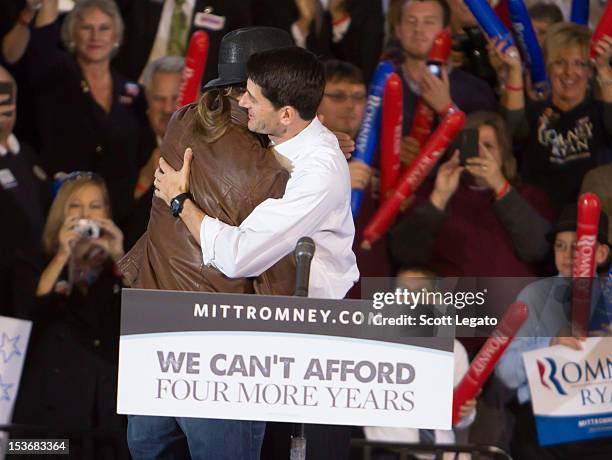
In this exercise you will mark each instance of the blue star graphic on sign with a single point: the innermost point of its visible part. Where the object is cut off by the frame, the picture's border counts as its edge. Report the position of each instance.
(4, 387)
(8, 347)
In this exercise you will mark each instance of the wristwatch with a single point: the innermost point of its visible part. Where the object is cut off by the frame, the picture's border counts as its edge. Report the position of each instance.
(176, 203)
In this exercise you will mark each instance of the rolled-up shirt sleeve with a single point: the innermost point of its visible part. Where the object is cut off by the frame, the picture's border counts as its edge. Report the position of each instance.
(274, 227)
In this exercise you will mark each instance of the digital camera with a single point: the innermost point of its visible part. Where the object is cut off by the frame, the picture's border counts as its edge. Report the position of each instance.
(87, 228)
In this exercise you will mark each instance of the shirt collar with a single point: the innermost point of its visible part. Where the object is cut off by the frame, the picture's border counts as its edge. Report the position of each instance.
(294, 147)
(12, 144)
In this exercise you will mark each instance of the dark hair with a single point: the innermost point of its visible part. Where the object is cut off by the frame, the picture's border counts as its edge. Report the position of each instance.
(289, 76)
(336, 70)
(546, 12)
(497, 123)
(446, 12)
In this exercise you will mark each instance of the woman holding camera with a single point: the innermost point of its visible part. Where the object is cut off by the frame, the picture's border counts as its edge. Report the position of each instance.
(477, 219)
(81, 208)
(69, 384)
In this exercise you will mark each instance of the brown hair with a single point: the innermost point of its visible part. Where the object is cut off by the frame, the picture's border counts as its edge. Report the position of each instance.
(336, 70)
(563, 35)
(496, 122)
(214, 111)
(57, 213)
(446, 11)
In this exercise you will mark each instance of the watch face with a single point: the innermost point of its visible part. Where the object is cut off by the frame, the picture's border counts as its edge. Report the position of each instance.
(175, 206)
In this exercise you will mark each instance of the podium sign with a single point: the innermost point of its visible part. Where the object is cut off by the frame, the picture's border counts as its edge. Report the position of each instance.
(273, 358)
(571, 391)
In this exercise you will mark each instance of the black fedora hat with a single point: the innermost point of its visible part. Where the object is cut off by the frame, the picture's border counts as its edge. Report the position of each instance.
(237, 47)
(567, 223)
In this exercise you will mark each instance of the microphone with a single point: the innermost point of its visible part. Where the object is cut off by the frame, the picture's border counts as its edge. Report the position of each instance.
(304, 251)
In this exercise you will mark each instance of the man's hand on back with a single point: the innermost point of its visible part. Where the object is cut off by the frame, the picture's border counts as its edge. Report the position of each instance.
(169, 182)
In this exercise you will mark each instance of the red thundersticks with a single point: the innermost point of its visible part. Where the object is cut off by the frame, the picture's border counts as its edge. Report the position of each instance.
(604, 27)
(416, 172)
(195, 63)
(441, 47)
(487, 357)
(391, 134)
(587, 225)
(423, 115)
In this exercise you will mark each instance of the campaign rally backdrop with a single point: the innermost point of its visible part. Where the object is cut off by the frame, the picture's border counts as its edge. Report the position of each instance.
(571, 391)
(274, 358)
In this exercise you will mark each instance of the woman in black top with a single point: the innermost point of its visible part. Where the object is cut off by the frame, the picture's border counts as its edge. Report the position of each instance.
(569, 133)
(88, 116)
(70, 380)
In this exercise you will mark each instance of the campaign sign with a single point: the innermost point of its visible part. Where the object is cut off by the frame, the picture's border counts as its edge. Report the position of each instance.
(14, 336)
(571, 391)
(273, 358)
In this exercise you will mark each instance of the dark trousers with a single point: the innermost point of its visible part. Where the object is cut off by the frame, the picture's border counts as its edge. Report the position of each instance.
(524, 445)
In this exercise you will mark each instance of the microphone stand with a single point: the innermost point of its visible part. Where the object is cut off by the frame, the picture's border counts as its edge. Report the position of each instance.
(304, 251)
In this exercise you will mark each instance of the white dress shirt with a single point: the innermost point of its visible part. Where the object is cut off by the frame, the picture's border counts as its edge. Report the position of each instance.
(316, 203)
(411, 435)
(12, 145)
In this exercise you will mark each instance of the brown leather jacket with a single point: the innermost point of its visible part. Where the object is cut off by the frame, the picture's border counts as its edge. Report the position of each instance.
(229, 178)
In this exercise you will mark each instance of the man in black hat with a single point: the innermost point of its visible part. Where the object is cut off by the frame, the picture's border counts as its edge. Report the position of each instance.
(167, 258)
(548, 324)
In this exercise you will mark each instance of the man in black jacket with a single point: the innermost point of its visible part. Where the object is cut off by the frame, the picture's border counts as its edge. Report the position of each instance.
(148, 30)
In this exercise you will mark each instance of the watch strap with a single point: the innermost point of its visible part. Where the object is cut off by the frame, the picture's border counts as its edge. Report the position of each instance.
(180, 199)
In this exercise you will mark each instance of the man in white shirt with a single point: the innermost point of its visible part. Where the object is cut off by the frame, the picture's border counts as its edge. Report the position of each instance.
(284, 89)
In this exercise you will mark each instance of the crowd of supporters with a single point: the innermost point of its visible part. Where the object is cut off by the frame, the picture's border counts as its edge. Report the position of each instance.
(87, 88)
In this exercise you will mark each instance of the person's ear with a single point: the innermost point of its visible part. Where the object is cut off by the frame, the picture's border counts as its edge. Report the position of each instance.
(288, 115)
(601, 253)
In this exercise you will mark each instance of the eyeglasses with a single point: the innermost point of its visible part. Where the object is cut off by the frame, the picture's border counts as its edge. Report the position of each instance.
(340, 98)
(578, 64)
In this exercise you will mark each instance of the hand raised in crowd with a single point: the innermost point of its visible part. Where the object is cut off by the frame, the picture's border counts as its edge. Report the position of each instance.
(307, 10)
(346, 143)
(486, 168)
(409, 149)
(436, 91)
(447, 182)
(111, 238)
(508, 56)
(360, 174)
(467, 408)
(169, 182)
(67, 236)
(602, 62)
(512, 75)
